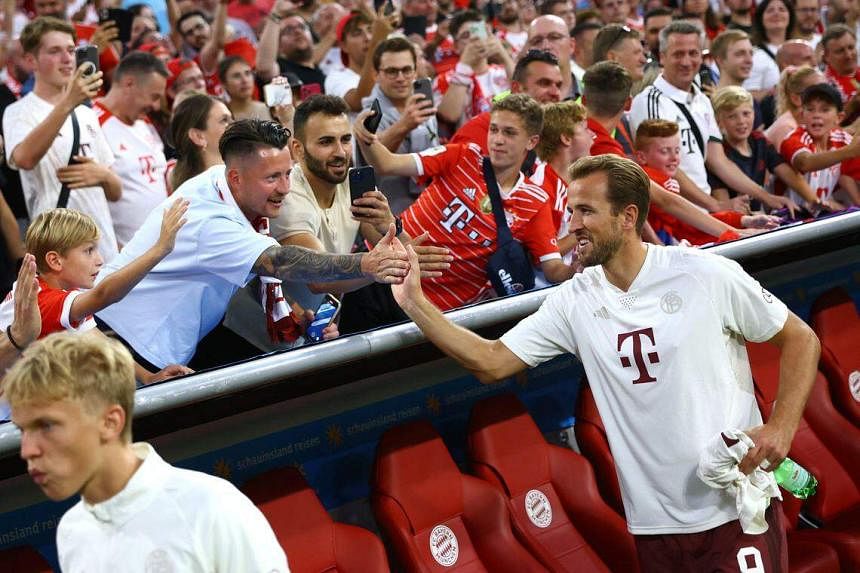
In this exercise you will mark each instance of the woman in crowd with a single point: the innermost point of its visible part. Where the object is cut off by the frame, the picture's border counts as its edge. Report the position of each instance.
(197, 125)
(237, 78)
(791, 85)
(702, 11)
(773, 21)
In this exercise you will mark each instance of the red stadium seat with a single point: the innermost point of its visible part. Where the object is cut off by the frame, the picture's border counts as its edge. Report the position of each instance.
(436, 518)
(23, 559)
(592, 442)
(556, 509)
(314, 543)
(805, 554)
(833, 460)
(835, 320)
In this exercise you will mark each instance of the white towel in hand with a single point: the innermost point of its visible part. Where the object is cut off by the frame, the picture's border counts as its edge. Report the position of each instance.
(718, 467)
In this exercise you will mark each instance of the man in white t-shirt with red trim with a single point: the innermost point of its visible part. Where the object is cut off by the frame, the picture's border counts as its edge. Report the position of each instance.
(138, 87)
(660, 332)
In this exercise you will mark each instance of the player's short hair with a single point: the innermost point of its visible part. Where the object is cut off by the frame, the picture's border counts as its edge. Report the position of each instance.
(139, 64)
(31, 35)
(546, 7)
(393, 44)
(606, 89)
(834, 32)
(225, 64)
(824, 93)
(721, 44)
(531, 56)
(609, 38)
(586, 25)
(683, 28)
(558, 119)
(328, 105)
(524, 106)
(58, 230)
(626, 182)
(245, 137)
(655, 12)
(730, 98)
(461, 18)
(94, 371)
(651, 129)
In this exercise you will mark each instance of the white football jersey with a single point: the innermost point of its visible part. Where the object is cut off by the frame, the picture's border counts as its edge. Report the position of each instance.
(667, 363)
(140, 164)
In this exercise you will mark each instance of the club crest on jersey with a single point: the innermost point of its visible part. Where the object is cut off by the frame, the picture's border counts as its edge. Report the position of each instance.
(671, 302)
(854, 384)
(444, 546)
(538, 508)
(486, 205)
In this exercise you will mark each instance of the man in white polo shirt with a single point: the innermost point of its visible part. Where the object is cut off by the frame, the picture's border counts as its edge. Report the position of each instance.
(675, 97)
(72, 397)
(660, 332)
(39, 128)
(138, 87)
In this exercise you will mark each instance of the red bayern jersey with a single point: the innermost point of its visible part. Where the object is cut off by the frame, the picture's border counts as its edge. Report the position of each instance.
(547, 179)
(457, 212)
(55, 305)
(475, 131)
(847, 85)
(823, 181)
(603, 141)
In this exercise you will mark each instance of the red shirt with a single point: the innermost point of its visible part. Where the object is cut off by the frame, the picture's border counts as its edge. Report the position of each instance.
(456, 210)
(847, 85)
(822, 181)
(475, 131)
(603, 140)
(54, 305)
(555, 187)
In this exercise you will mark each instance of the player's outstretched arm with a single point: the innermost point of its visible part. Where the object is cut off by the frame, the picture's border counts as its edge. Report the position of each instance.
(382, 160)
(798, 364)
(119, 283)
(298, 264)
(488, 360)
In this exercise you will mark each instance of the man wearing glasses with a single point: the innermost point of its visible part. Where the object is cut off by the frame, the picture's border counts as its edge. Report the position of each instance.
(408, 123)
(617, 43)
(286, 46)
(549, 33)
(200, 41)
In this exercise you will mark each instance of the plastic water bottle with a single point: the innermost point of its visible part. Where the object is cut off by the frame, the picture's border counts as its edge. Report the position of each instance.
(795, 479)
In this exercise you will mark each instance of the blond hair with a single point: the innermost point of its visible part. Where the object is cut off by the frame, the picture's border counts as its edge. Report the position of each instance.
(792, 82)
(92, 370)
(58, 230)
(653, 129)
(725, 40)
(730, 98)
(558, 119)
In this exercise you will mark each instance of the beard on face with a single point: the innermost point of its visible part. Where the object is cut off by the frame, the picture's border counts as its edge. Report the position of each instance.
(602, 251)
(318, 168)
(300, 54)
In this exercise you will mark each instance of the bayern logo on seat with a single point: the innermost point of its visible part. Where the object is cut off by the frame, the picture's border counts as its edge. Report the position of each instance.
(538, 508)
(444, 546)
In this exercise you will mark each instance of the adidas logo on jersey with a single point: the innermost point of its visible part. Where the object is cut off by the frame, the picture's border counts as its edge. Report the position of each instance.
(601, 313)
(470, 192)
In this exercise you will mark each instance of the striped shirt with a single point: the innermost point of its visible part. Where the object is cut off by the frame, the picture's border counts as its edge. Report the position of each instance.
(457, 212)
(823, 181)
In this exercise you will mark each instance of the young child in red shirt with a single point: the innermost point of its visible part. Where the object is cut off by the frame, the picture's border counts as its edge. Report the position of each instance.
(823, 152)
(658, 149)
(64, 243)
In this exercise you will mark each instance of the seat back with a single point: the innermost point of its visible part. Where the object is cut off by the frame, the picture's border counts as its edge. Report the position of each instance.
(592, 441)
(23, 559)
(436, 518)
(837, 490)
(545, 498)
(313, 542)
(837, 324)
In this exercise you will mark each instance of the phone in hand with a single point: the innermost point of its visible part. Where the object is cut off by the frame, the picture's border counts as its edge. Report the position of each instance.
(327, 312)
(371, 122)
(89, 55)
(123, 20)
(277, 94)
(477, 30)
(361, 180)
(389, 6)
(705, 77)
(415, 25)
(423, 86)
(308, 90)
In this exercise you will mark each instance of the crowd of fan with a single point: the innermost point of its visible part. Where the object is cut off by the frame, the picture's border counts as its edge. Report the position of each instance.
(741, 114)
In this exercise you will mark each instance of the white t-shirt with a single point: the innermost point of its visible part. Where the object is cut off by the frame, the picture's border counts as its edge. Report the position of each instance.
(338, 82)
(668, 366)
(185, 295)
(140, 164)
(169, 519)
(765, 73)
(40, 184)
(658, 101)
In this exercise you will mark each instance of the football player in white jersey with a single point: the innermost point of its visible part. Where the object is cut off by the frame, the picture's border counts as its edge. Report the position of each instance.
(660, 332)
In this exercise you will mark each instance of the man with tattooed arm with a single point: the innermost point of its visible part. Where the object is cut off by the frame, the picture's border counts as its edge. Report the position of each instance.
(223, 245)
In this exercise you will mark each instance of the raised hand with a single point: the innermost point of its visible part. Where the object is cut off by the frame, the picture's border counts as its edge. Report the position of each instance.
(173, 220)
(83, 86)
(84, 173)
(385, 263)
(433, 261)
(27, 323)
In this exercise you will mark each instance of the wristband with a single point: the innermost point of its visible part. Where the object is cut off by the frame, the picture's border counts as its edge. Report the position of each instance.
(12, 340)
(398, 226)
(275, 18)
(464, 69)
(462, 75)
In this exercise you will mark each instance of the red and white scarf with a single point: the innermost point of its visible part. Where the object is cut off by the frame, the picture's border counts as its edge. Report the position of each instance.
(282, 323)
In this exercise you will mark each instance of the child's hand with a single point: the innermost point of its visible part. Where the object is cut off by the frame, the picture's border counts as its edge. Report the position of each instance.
(174, 219)
(760, 222)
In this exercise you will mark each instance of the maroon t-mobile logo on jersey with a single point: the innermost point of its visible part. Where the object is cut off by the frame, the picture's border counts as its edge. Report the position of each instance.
(638, 353)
